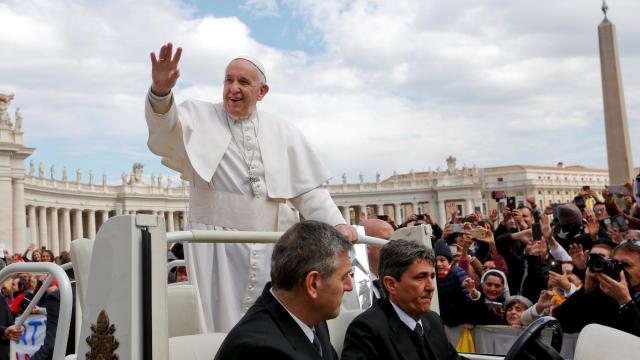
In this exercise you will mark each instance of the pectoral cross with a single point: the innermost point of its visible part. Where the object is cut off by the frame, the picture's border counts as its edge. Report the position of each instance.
(252, 178)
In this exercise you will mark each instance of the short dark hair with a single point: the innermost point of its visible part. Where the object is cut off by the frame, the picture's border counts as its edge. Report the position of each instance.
(629, 246)
(396, 257)
(307, 246)
(520, 207)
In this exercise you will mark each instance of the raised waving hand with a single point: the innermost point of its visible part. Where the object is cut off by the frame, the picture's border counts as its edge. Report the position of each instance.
(164, 69)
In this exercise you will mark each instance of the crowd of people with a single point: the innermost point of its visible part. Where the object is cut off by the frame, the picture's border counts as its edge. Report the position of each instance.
(19, 290)
(564, 260)
(575, 261)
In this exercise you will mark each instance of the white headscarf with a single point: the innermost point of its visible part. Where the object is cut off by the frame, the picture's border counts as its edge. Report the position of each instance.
(496, 272)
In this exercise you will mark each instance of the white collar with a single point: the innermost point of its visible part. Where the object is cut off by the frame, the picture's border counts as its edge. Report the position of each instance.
(305, 328)
(406, 319)
(239, 120)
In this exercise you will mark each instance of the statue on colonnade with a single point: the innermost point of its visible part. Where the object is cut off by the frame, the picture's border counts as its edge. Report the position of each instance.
(136, 174)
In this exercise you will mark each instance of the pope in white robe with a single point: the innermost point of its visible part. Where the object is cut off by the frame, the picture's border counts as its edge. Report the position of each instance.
(243, 166)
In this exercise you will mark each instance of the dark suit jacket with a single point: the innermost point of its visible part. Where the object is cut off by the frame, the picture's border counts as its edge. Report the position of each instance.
(267, 331)
(52, 303)
(378, 333)
(6, 320)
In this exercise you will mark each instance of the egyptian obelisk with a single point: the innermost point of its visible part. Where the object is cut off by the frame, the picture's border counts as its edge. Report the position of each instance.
(615, 113)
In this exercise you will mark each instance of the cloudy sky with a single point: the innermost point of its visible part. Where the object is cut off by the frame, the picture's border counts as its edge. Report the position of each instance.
(375, 85)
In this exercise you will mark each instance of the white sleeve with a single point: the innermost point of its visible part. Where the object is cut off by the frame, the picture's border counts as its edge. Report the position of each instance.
(560, 254)
(571, 291)
(317, 205)
(165, 133)
(160, 104)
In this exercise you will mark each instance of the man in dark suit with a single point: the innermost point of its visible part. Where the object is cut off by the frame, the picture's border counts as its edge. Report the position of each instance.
(401, 326)
(310, 270)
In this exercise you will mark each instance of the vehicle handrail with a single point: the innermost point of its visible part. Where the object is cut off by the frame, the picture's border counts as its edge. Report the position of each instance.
(174, 264)
(66, 300)
(261, 237)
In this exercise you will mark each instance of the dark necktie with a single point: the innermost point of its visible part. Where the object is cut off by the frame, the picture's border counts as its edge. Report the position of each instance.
(422, 350)
(316, 343)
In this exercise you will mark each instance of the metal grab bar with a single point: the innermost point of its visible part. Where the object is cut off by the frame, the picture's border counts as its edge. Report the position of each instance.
(66, 298)
(220, 236)
(175, 263)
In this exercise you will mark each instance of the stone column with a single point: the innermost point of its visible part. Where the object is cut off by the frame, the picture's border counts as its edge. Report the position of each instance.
(32, 222)
(6, 213)
(181, 218)
(54, 240)
(398, 218)
(468, 204)
(442, 213)
(433, 210)
(19, 218)
(91, 224)
(66, 230)
(615, 113)
(170, 223)
(380, 209)
(42, 226)
(77, 225)
(346, 214)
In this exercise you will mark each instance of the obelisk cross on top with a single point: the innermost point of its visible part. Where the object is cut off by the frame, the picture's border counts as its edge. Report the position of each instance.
(615, 113)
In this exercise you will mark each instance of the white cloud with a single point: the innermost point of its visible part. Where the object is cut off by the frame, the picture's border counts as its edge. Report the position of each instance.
(396, 85)
(262, 8)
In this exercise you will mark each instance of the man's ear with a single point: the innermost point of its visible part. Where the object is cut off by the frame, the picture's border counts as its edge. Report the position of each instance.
(390, 284)
(264, 89)
(312, 284)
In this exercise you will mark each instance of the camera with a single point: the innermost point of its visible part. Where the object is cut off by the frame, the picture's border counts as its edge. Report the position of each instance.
(555, 266)
(536, 230)
(511, 202)
(420, 217)
(598, 264)
(456, 228)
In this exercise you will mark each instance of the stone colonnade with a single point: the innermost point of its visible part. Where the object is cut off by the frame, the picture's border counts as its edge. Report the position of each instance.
(399, 211)
(55, 228)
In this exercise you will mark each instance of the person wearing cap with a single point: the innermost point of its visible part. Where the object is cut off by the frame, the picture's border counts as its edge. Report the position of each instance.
(514, 306)
(452, 294)
(570, 229)
(243, 165)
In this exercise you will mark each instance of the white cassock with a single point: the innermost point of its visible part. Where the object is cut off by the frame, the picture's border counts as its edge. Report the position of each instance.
(216, 154)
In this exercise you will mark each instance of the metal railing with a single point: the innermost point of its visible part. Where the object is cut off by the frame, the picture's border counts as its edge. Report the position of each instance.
(220, 236)
(57, 272)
